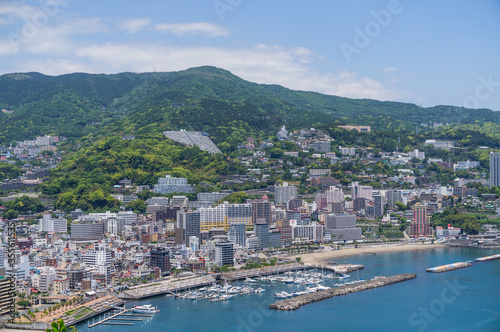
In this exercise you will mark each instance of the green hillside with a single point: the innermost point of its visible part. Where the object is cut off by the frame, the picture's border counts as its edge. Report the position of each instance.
(203, 98)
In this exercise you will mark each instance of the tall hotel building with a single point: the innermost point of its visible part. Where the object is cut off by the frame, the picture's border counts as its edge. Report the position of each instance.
(421, 225)
(494, 169)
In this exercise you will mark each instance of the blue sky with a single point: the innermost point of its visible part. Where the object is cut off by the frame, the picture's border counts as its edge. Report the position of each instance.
(424, 52)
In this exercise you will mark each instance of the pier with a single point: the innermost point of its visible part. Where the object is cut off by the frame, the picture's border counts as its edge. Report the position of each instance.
(164, 287)
(449, 267)
(263, 271)
(123, 316)
(297, 302)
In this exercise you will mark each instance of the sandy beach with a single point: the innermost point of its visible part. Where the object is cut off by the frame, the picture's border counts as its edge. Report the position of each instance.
(326, 255)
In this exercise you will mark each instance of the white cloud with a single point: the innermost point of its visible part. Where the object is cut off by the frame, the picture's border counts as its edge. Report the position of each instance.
(262, 64)
(135, 24)
(181, 29)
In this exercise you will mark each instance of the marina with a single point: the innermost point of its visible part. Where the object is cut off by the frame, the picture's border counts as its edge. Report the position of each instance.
(304, 281)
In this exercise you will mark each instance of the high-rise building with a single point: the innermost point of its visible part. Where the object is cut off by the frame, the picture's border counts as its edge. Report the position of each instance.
(321, 201)
(224, 254)
(223, 215)
(261, 211)
(359, 204)
(189, 222)
(284, 193)
(6, 293)
(47, 277)
(261, 230)
(421, 224)
(100, 259)
(378, 203)
(160, 257)
(334, 194)
(237, 234)
(358, 190)
(87, 231)
(393, 196)
(494, 169)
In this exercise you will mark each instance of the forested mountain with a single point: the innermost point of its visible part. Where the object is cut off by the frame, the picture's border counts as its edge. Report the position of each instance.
(203, 98)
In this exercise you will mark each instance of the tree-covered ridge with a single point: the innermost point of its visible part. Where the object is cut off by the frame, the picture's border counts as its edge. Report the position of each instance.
(200, 98)
(86, 178)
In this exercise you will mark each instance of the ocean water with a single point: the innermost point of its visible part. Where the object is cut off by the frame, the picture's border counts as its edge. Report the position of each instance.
(461, 300)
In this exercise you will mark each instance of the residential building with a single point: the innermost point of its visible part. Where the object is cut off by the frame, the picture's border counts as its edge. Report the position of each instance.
(224, 254)
(284, 193)
(48, 224)
(169, 185)
(237, 234)
(160, 257)
(261, 211)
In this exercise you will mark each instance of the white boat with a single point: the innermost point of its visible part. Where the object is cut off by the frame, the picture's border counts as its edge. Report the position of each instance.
(344, 276)
(280, 295)
(249, 280)
(145, 309)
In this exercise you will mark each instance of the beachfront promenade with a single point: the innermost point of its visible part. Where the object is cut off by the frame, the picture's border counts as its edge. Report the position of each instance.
(297, 302)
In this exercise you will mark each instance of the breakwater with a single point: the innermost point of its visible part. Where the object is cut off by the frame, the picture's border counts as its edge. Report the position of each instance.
(488, 258)
(297, 302)
(449, 267)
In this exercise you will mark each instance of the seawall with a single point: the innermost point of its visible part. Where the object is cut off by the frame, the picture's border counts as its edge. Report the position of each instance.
(297, 302)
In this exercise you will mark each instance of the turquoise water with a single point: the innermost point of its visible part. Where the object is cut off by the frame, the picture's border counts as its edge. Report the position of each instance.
(461, 300)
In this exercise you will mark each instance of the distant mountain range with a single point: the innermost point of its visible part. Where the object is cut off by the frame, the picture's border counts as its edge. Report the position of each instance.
(202, 99)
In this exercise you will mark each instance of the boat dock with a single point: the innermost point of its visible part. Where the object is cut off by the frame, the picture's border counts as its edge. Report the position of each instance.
(264, 271)
(115, 319)
(488, 258)
(279, 269)
(297, 302)
(449, 267)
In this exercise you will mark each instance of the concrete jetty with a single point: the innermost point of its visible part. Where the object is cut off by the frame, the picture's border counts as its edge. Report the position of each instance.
(297, 302)
(264, 271)
(449, 267)
(166, 287)
(488, 258)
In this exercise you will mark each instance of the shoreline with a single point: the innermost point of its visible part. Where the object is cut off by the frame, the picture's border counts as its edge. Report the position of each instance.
(321, 257)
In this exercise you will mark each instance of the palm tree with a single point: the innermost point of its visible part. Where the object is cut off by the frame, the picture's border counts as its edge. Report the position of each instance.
(58, 326)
